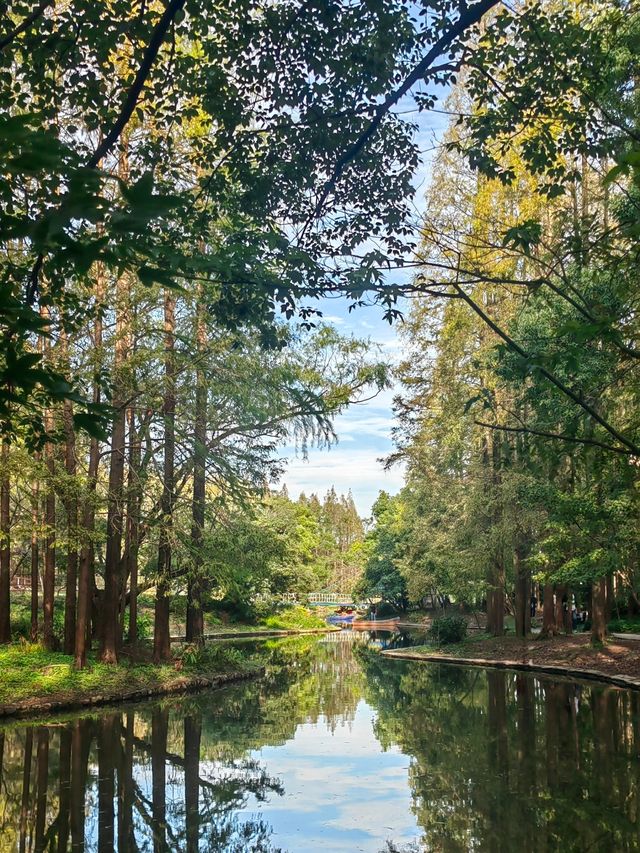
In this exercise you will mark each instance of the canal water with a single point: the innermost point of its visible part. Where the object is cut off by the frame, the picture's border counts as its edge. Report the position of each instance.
(336, 749)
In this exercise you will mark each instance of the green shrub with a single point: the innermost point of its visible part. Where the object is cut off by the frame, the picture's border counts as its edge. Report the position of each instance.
(385, 610)
(448, 629)
(625, 625)
(214, 657)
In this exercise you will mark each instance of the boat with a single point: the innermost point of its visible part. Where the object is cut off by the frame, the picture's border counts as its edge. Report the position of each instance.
(375, 624)
(341, 618)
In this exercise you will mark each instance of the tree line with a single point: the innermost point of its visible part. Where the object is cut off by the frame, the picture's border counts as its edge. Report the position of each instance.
(518, 414)
(180, 174)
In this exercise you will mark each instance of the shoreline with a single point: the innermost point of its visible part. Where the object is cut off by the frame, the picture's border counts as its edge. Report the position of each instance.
(42, 705)
(557, 668)
(259, 633)
(147, 680)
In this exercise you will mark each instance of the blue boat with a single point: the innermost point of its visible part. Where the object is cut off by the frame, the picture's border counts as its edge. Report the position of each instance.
(341, 618)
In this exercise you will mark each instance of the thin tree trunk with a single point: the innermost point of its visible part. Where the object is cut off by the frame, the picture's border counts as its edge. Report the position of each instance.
(195, 620)
(134, 498)
(161, 638)
(5, 546)
(85, 579)
(35, 558)
(523, 590)
(49, 590)
(598, 611)
(495, 598)
(71, 508)
(110, 640)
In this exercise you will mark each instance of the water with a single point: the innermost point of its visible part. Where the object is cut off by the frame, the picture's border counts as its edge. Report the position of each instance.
(336, 749)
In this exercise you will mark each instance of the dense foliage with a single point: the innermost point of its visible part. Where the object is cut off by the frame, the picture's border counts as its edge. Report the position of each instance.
(518, 419)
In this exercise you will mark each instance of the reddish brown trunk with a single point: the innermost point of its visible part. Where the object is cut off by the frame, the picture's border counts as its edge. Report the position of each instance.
(195, 619)
(523, 590)
(161, 638)
(110, 617)
(48, 593)
(134, 498)
(71, 507)
(85, 578)
(561, 603)
(5, 546)
(568, 618)
(35, 560)
(548, 612)
(599, 611)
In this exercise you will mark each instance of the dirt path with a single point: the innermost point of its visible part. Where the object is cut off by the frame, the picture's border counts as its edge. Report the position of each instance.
(617, 662)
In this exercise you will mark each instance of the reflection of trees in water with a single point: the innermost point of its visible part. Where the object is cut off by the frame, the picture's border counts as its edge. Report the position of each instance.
(172, 776)
(504, 761)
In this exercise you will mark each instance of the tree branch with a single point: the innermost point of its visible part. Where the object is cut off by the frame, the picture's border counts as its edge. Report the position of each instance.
(572, 395)
(30, 19)
(468, 17)
(150, 54)
(557, 436)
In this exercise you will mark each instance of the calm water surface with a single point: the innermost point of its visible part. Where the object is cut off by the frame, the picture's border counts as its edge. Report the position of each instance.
(336, 749)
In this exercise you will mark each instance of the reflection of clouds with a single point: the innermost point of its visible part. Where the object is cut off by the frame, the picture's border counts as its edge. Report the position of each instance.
(342, 792)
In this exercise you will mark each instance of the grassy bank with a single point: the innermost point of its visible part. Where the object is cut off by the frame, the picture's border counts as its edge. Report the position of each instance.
(34, 679)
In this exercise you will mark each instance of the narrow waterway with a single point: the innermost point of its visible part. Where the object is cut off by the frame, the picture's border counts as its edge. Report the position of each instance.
(336, 749)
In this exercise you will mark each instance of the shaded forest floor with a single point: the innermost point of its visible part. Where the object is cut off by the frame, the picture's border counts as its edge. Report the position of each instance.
(573, 654)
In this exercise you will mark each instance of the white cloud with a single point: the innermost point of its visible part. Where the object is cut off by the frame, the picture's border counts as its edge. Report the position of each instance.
(344, 468)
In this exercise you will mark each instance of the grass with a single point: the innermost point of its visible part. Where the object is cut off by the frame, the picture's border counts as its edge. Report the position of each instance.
(29, 672)
(293, 619)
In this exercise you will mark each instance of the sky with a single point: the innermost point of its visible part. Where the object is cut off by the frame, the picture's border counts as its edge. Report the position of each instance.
(364, 431)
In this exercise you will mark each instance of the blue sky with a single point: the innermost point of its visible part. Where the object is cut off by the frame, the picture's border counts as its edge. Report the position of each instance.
(364, 431)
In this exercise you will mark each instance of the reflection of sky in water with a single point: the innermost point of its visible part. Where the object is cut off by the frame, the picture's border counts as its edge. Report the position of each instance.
(342, 792)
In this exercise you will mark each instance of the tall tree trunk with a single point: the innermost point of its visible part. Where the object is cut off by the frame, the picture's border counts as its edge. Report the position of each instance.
(134, 499)
(495, 598)
(71, 508)
(161, 638)
(561, 601)
(599, 611)
(85, 578)
(110, 617)
(523, 588)
(35, 557)
(195, 619)
(49, 586)
(5, 546)
(548, 612)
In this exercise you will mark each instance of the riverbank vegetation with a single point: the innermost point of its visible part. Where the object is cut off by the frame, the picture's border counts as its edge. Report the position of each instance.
(518, 415)
(34, 679)
(182, 182)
